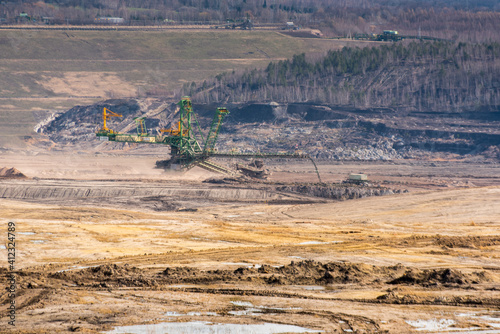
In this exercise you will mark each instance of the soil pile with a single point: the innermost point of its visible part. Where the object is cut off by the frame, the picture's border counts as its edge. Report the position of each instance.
(312, 272)
(300, 273)
(399, 297)
(338, 192)
(492, 152)
(439, 276)
(296, 273)
(467, 241)
(308, 272)
(11, 173)
(105, 276)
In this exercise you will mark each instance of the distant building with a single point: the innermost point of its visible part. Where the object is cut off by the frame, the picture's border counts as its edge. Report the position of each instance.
(290, 26)
(110, 20)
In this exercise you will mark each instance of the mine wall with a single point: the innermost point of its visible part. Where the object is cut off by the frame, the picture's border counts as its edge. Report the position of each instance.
(47, 190)
(449, 132)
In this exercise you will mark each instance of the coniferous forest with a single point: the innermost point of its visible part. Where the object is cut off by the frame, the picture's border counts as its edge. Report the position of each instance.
(416, 75)
(461, 72)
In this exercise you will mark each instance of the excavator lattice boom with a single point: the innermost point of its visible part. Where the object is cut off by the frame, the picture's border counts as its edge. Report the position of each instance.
(213, 133)
(106, 116)
(185, 150)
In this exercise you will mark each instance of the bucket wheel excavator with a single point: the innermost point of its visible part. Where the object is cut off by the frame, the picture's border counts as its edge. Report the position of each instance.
(186, 151)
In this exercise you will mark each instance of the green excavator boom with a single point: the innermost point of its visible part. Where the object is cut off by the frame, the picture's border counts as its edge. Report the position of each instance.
(213, 133)
(185, 151)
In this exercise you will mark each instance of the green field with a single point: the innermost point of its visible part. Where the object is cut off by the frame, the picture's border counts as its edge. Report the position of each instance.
(44, 71)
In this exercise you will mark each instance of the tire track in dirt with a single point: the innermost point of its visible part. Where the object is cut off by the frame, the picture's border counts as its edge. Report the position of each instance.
(32, 301)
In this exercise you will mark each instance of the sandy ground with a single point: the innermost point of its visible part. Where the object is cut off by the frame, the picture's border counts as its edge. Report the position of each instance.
(93, 253)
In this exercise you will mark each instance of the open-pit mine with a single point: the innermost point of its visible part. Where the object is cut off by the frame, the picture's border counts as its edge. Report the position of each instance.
(105, 243)
(399, 235)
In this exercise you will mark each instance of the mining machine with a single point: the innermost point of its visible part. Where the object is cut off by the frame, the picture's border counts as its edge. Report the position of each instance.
(186, 151)
(106, 116)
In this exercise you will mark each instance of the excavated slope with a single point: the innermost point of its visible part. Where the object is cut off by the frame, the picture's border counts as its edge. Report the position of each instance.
(323, 131)
(53, 190)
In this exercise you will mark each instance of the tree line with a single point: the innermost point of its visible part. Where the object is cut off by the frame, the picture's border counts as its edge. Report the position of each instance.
(417, 75)
(473, 20)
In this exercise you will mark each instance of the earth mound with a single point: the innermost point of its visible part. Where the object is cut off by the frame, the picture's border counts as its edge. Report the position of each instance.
(438, 276)
(338, 192)
(305, 272)
(301, 273)
(11, 173)
(105, 276)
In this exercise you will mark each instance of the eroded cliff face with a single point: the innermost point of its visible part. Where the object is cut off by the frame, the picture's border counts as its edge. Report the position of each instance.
(324, 132)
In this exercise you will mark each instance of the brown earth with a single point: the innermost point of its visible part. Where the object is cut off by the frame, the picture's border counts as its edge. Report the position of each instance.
(11, 173)
(106, 240)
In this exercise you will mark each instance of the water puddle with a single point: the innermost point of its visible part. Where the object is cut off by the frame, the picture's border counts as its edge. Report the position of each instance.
(250, 309)
(26, 233)
(38, 241)
(431, 325)
(312, 287)
(3, 247)
(173, 314)
(204, 327)
(198, 314)
(242, 304)
(313, 243)
(492, 319)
